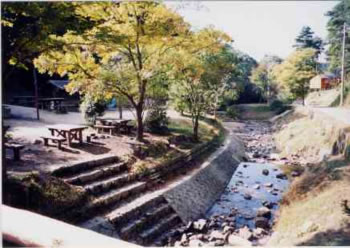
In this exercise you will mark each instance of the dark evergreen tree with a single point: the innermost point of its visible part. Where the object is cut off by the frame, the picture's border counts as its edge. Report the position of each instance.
(337, 17)
(307, 39)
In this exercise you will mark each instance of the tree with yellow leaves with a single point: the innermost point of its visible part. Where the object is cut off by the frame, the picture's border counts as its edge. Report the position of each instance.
(131, 45)
(294, 74)
(193, 86)
(121, 55)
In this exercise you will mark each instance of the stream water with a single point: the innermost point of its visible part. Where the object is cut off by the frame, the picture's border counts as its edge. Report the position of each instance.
(245, 212)
(248, 190)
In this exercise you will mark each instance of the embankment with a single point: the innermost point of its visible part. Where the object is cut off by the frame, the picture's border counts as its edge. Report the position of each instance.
(192, 198)
(314, 210)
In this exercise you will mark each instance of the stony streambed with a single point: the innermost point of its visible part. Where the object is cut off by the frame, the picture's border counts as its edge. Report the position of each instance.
(245, 212)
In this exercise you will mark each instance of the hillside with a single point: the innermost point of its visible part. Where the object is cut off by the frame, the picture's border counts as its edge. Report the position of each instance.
(313, 212)
(324, 98)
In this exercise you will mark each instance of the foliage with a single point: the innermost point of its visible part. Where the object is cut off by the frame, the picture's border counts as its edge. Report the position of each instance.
(218, 75)
(294, 74)
(92, 108)
(245, 91)
(263, 77)
(277, 106)
(43, 194)
(140, 168)
(132, 44)
(306, 39)
(339, 15)
(27, 27)
(190, 85)
(157, 120)
(232, 112)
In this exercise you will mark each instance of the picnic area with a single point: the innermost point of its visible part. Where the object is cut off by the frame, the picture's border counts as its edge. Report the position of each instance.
(56, 140)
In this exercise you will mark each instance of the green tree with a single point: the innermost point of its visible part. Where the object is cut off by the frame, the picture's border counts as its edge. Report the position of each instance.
(294, 74)
(307, 39)
(337, 17)
(123, 54)
(263, 77)
(218, 75)
(192, 85)
(26, 30)
(244, 90)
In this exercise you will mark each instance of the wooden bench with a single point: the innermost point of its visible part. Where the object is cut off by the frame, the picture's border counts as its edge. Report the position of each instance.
(16, 150)
(101, 128)
(54, 139)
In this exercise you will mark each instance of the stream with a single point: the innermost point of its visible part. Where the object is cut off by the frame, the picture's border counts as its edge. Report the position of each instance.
(245, 212)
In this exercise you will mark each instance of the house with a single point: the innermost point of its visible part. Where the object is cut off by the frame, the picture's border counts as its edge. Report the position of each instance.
(324, 82)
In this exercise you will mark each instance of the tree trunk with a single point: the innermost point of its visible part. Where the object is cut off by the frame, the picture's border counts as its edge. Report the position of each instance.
(195, 128)
(215, 106)
(139, 120)
(4, 168)
(120, 111)
(36, 94)
(303, 93)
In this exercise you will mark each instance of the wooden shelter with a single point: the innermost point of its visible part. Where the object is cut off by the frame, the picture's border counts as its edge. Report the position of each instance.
(324, 82)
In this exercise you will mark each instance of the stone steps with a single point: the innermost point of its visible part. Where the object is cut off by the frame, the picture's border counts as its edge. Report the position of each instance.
(148, 236)
(96, 173)
(109, 183)
(129, 211)
(162, 240)
(131, 230)
(78, 167)
(119, 194)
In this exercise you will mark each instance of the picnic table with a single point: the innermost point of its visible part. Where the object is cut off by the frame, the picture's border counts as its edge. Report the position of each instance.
(67, 131)
(117, 124)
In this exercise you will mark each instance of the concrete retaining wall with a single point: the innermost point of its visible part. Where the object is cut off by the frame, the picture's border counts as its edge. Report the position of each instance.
(26, 229)
(192, 198)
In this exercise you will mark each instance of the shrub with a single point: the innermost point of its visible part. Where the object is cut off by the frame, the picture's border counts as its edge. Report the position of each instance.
(232, 112)
(157, 120)
(140, 168)
(180, 106)
(277, 106)
(91, 109)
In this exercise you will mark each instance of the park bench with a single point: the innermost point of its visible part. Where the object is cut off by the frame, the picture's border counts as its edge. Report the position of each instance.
(16, 150)
(101, 128)
(54, 139)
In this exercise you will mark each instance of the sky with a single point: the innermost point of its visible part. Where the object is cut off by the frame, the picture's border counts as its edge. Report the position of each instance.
(260, 27)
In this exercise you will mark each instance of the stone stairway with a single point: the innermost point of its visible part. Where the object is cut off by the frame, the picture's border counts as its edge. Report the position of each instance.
(150, 224)
(122, 205)
(107, 180)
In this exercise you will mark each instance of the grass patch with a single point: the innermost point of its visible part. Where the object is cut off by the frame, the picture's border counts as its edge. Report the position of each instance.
(177, 143)
(255, 111)
(183, 127)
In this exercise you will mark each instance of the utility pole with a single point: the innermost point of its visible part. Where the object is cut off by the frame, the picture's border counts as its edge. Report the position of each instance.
(343, 67)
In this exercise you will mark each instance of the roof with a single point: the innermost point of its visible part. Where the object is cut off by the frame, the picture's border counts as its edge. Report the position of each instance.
(59, 83)
(321, 76)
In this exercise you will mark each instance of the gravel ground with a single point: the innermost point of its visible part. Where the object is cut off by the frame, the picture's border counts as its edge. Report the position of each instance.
(25, 130)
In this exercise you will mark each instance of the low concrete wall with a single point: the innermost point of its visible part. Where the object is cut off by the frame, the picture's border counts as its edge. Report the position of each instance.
(192, 198)
(24, 228)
